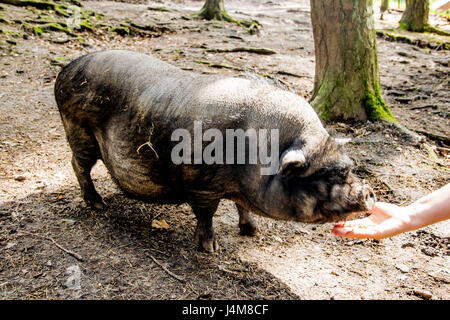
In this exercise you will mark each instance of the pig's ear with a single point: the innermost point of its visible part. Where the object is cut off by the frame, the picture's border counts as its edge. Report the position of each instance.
(342, 141)
(292, 160)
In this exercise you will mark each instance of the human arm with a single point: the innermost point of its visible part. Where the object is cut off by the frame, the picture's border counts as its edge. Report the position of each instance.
(387, 220)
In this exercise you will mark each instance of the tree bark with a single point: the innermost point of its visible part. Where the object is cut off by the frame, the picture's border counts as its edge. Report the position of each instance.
(214, 10)
(415, 16)
(384, 7)
(346, 83)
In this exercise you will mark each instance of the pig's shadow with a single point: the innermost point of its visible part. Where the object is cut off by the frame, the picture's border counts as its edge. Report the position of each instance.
(122, 238)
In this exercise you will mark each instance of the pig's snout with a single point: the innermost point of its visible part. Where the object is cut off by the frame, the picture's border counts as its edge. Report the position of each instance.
(367, 198)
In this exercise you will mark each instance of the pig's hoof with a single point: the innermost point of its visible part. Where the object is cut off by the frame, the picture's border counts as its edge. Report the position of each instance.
(248, 229)
(100, 206)
(97, 205)
(206, 242)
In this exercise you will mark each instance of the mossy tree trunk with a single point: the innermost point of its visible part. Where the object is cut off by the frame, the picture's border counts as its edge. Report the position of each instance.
(346, 84)
(415, 16)
(384, 7)
(214, 10)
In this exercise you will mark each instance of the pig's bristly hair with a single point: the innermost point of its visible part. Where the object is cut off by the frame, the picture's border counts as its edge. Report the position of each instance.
(267, 81)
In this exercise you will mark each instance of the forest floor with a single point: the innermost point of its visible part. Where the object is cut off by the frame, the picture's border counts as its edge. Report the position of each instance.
(118, 254)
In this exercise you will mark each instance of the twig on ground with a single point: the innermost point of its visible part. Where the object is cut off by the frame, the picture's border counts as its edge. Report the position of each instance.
(167, 270)
(73, 254)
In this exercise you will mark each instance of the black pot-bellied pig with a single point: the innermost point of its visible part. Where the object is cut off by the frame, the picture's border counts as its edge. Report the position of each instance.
(124, 108)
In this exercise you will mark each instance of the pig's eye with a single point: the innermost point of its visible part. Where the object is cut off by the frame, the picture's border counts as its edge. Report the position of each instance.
(343, 172)
(333, 173)
(294, 170)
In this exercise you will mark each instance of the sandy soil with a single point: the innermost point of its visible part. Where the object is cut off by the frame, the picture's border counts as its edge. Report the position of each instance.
(119, 255)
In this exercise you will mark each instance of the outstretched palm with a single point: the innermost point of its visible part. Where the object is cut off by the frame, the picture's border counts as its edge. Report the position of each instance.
(386, 220)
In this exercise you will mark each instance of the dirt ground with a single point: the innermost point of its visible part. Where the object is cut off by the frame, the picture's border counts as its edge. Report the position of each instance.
(119, 255)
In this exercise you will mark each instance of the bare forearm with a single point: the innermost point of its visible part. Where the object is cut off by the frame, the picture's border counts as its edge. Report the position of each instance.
(430, 209)
(387, 220)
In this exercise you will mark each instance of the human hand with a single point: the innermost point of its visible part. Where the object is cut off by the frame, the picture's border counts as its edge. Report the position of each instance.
(386, 220)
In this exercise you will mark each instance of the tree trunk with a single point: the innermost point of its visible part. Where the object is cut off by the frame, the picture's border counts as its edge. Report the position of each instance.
(214, 10)
(415, 16)
(384, 7)
(346, 84)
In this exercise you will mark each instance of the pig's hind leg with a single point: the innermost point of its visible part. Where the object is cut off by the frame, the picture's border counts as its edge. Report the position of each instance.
(247, 223)
(85, 152)
(205, 236)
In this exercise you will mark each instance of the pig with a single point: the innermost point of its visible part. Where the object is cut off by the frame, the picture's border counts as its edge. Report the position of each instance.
(122, 107)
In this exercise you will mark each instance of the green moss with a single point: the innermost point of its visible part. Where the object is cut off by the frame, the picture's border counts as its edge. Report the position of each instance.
(375, 107)
(431, 29)
(251, 26)
(37, 30)
(63, 10)
(445, 14)
(85, 25)
(403, 26)
(3, 19)
(121, 30)
(161, 9)
(320, 103)
(326, 112)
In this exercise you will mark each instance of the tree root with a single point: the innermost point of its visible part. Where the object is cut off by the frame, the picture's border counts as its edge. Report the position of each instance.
(219, 65)
(433, 136)
(134, 29)
(437, 31)
(54, 26)
(251, 26)
(262, 51)
(75, 19)
(160, 9)
(287, 73)
(158, 29)
(60, 9)
(443, 45)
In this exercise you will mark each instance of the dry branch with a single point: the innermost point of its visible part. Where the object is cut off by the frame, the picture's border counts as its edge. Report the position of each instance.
(167, 270)
(73, 254)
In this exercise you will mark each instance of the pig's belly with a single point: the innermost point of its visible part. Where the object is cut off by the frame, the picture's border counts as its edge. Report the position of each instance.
(134, 179)
(131, 172)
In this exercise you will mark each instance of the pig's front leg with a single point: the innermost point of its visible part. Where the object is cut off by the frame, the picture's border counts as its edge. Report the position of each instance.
(205, 236)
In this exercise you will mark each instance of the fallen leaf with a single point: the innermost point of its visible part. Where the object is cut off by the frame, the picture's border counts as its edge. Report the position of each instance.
(425, 294)
(403, 268)
(160, 224)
